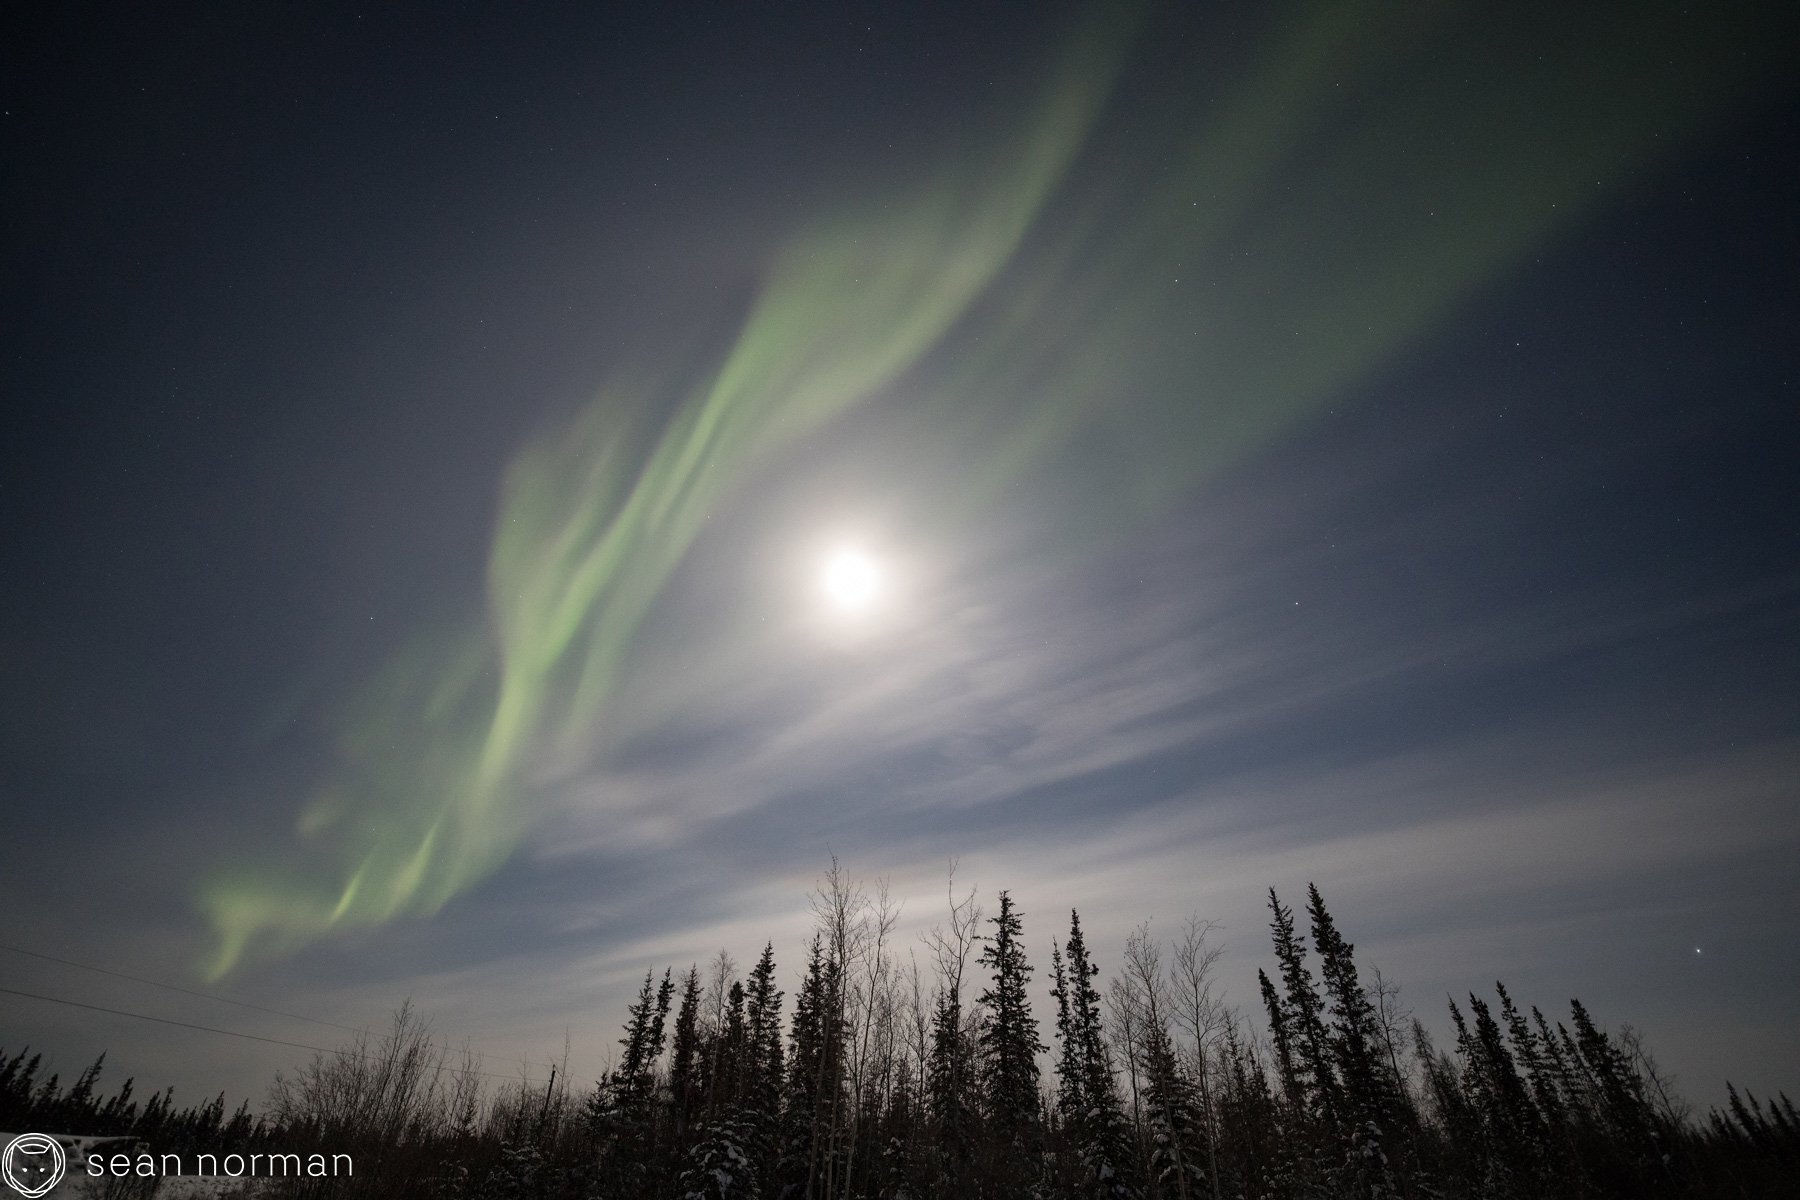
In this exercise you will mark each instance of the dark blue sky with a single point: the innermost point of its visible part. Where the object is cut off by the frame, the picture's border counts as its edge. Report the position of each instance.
(1302, 447)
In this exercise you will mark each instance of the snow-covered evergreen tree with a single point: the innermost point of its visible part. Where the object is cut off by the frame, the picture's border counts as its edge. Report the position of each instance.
(1093, 1120)
(1172, 1115)
(722, 1163)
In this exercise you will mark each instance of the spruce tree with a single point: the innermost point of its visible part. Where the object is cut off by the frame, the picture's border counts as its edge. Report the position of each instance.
(1070, 1103)
(1513, 1139)
(763, 1056)
(1314, 1144)
(1176, 1155)
(1008, 1040)
(725, 1087)
(1638, 1144)
(1286, 1068)
(684, 1081)
(1528, 1052)
(1621, 1091)
(815, 1071)
(1008, 1049)
(1563, 1073)
(722, 1165)
(763, 1063)
(620, 1113)
(1094, 1120)
(1353, 1017)
(654, 1041)
(1248, 1123)
(1368, 1099)
(948, 1086)
(642, 1042)
(1304, 1016)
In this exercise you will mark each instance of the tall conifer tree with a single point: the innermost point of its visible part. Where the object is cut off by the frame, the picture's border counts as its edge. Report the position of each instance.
(1009, 1049)
(1089, 1102)
(684, 1081)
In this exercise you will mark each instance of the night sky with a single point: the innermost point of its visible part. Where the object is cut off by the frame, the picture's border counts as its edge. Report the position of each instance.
(1343, 443)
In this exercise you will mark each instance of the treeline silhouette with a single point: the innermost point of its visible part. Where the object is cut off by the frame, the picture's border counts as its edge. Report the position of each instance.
(28, 1102)
(897, 1079)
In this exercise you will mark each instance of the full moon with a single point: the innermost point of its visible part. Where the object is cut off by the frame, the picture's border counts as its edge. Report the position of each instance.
(850, 580)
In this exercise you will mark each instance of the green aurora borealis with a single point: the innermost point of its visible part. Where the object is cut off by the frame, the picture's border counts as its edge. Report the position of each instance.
(1147, 279)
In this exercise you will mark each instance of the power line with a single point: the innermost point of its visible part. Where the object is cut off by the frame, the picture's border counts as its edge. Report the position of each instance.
(274, 1012)
(250, 1037)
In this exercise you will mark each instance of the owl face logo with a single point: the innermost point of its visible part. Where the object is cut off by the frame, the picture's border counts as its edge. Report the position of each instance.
(32, 1164)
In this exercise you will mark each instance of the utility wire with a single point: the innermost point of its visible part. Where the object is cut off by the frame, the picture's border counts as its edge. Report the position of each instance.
(251, 1037)
(274, 1012)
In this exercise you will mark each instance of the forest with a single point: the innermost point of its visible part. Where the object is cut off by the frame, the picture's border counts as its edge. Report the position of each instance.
(915, 1072)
